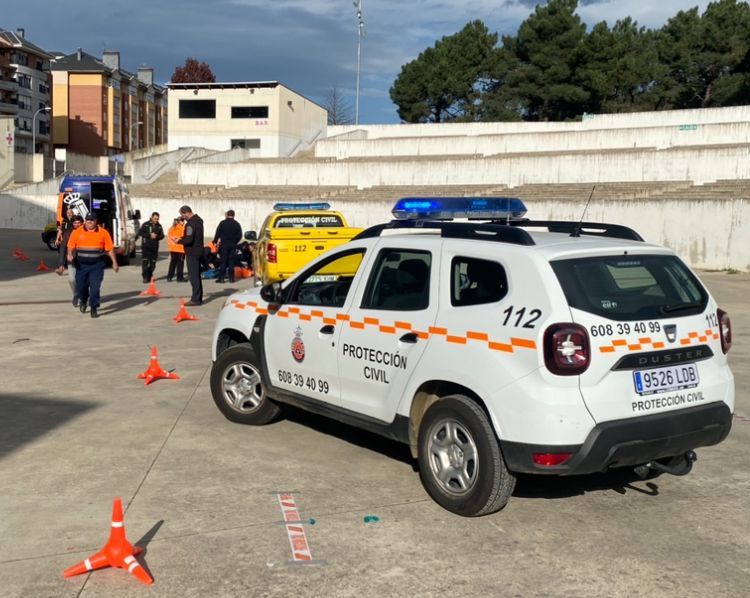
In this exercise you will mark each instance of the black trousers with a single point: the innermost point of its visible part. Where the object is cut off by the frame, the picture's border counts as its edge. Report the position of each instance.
(176, 265)
(226, 262)
(149, 255)
(194, 273)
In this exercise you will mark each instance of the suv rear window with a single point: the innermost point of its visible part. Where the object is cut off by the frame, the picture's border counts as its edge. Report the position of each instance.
(631, 287)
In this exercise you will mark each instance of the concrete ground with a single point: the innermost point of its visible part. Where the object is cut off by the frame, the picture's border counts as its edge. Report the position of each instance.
(77, 428)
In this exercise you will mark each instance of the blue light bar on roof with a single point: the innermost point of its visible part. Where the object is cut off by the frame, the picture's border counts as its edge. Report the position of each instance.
(286, 207)
(448, 208)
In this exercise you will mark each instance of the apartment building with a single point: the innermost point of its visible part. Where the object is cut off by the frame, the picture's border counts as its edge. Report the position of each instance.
(25, 91)
(101, 109)
(266, 117)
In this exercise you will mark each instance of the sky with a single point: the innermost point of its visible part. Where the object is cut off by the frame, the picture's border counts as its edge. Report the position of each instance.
(308, 45)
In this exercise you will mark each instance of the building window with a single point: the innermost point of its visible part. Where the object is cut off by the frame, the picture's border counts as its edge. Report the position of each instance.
(245, 143)
(249, 111)
(43, 88)
(23, 81)
(197, 108)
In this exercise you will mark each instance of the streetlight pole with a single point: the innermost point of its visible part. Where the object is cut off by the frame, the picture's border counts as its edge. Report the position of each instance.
(33, 127)
(360, 33)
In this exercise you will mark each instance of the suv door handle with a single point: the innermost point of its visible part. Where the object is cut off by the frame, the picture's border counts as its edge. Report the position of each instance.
(409, 337)
(327, 329)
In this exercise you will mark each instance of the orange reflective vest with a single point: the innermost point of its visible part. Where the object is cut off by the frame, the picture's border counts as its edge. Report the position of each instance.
(176, 231)
(90, 245)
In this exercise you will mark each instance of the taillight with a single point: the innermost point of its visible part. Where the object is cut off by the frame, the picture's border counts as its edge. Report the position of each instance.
(550, 459)
(271, 253)
(725, 330)
(566, 349)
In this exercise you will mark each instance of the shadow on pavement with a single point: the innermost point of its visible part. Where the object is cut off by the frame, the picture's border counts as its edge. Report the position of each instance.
(552, 487)
(24, 418)
(356, 436)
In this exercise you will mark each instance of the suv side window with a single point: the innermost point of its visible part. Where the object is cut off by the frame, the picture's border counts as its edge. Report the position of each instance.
(400, 280)
(475, 281)
(328, 284)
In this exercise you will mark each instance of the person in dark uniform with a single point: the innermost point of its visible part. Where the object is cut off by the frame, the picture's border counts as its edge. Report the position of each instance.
(192, 241)
(151, 232)
(63, 265)
(228, 234)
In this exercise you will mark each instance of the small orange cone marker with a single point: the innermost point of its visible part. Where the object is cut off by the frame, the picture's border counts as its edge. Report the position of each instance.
(183, 313)
(117, 552)
(154, 371)
(42, 267)
(20, 255)
(151, 290)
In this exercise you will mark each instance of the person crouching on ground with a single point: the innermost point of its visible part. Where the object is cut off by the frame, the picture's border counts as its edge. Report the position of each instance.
(64, 264)
(151, 232)
(90, 244)
(176, 251)
(228, 234)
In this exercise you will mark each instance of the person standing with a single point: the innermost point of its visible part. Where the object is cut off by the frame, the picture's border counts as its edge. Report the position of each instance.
(192, 241)
(228, 234)
(90, 244)
(176, 251)
(63, 264)
(151, 232)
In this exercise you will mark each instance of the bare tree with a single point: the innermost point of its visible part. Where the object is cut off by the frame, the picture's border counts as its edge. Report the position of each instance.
(339, 108)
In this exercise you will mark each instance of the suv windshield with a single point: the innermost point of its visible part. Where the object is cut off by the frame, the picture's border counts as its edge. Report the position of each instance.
(631, 287)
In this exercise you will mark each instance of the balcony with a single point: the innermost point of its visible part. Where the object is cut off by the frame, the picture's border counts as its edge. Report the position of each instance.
(8, 85)
(8, 107)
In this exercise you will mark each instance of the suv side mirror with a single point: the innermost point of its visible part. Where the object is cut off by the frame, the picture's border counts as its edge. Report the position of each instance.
(251, 235)
(134, 215)
(272, 293)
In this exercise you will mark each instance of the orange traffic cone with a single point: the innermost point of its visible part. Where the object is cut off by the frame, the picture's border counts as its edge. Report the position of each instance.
(20, 255)
(42, 267)
(183, 313)
(117, 552)
(154, 371)
(151, 290)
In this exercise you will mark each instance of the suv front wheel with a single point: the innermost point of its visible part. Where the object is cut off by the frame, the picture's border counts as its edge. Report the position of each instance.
(460, 462)
(237, 387)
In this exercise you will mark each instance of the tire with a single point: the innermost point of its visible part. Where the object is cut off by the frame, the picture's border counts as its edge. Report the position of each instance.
(460, 462)
(49, 241)
(237, 387)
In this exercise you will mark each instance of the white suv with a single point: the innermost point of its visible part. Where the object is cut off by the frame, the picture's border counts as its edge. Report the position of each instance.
(491, 348)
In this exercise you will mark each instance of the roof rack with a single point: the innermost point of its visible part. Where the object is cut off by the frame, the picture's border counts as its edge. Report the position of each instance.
(485, 231)
(576, 229)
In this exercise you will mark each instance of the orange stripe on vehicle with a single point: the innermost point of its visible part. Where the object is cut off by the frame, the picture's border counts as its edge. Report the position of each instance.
(294, 310)
(240, 305)
(645, 341)
(709, 332)
(305, 317)
(500, 347)
(716, 337)
(316, 313)
(357, 325)
(702, 339)
(459, 340)
(685, 341)
(523, 342)
(477, 336)
(282, 314)
(262, 311)
(436, 330)
(342, 317)
(692, 334)
(422, 335)
(607, 349)
(402, 325)
(388, 329)
(372, 321)
(659, 345)
(634, 347)
(331, 321)
(620, 342)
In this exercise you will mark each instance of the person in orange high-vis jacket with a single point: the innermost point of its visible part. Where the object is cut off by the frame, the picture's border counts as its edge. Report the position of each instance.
(89, 245)
(176, 251)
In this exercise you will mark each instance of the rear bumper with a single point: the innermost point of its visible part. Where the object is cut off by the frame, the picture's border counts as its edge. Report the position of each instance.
(629, 442)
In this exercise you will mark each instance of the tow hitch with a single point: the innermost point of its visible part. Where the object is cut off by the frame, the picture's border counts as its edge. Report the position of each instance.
(680, 465)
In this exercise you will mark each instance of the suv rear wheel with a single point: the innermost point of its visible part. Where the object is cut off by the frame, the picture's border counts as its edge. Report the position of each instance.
(237, 387)
(460, 462)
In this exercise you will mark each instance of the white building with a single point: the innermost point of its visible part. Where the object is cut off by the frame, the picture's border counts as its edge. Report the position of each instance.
(267, 118)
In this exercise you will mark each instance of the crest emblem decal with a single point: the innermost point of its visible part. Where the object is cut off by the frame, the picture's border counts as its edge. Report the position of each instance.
(298, 347)
(671, 331)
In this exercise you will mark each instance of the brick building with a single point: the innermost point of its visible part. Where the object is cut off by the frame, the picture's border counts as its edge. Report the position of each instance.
(101, 109)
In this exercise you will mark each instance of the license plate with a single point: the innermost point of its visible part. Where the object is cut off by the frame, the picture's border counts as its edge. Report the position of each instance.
(674, 377)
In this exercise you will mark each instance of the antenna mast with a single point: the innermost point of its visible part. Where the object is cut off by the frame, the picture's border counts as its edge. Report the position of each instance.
(577, 230)
(360, 35)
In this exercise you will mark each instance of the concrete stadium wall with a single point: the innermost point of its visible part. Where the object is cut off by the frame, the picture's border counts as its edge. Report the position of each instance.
(653, 137)
(709, 235)
(591, 121)
(699, 165)
(132, 156)
(148, 169)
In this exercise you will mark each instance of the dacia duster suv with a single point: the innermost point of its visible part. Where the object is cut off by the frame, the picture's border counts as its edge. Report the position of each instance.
(492, 345)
